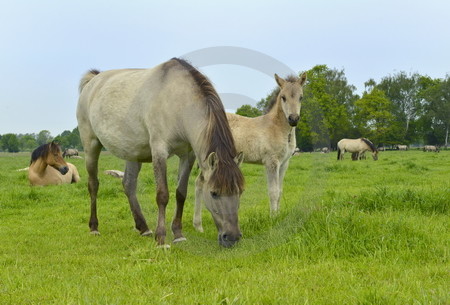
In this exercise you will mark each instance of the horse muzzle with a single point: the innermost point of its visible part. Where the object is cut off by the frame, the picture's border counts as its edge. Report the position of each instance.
(63, 170)
(228, 240)
(293, 119)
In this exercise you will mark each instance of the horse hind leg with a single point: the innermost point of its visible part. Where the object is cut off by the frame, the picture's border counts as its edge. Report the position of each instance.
(92, 155)
(184, 170)
(129, 183)
(273, 185)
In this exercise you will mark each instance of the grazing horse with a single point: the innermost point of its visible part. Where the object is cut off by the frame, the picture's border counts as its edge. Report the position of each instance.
(70, 152)
(325, 150)
(268, 139)
(359, 146)
(47, 166)
(148, 115)
(431, 148)
(402, 147)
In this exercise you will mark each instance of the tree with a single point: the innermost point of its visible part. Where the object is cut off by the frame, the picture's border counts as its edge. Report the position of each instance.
(43, 137)
(437, 108)
(374, 119)
(27, 142)
(248, 111)
(10, 143)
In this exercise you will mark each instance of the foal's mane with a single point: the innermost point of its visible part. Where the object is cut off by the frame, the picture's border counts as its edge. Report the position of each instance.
(44, 150)
(276, 92)
(228, 178)
(372, 147)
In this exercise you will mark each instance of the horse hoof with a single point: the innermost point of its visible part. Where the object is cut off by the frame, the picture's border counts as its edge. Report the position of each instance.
(179, 239)
(199, 228)
(147, 233)
(95, 232)
(164, 247)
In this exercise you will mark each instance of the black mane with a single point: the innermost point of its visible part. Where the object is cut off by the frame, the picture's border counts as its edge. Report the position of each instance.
(367, 141)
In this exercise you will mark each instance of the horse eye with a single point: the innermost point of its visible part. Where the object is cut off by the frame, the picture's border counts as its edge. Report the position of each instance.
(214, 195)
(283, 98)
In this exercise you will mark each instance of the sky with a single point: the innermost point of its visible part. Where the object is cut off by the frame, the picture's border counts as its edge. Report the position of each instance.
(46, 46)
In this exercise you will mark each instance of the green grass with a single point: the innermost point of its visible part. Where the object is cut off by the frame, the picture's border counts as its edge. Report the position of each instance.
(349, 232)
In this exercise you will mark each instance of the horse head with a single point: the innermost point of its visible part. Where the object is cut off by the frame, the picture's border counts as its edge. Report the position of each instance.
(53, 157)
(290, 96)
(223, 204)
(375, 154)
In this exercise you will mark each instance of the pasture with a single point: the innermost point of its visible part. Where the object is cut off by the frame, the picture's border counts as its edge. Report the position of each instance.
(349, 232)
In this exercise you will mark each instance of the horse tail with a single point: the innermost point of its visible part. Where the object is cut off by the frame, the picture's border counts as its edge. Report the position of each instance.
(87, 78)
(339, 154)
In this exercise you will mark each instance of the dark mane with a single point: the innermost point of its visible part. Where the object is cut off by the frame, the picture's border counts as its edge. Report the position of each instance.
(276, 91)
(44, 150)
(228, 178)
(372, 147)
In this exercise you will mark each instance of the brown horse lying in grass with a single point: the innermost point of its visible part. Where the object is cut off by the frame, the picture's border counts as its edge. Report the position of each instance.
(47, 166)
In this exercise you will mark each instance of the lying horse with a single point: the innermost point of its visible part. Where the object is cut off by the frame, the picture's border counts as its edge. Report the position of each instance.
(359, 146)
(431, 148)
(148, 115)
(268, 139)
(402, 147)
(47, 166)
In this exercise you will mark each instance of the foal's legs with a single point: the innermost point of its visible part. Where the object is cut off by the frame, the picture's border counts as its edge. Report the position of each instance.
(129, 182)
(273, 184)
(282, 172)
(92, 153)
(184, 169)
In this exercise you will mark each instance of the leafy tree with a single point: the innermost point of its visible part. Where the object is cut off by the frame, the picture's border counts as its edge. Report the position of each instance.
(10, 143)
(43, 137)
(374, 119)
(27, 142)
(248, 111)
(437, 107)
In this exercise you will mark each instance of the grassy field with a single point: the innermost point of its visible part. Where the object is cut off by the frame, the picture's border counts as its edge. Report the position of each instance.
(349, 233)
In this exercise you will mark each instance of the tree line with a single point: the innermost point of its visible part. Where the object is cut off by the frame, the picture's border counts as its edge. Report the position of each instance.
(403, 108)
(400, 109)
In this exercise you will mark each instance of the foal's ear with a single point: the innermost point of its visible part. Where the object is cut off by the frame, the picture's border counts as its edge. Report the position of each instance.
(302, 79)
(239, 159)
(212, 161)
(279, 80)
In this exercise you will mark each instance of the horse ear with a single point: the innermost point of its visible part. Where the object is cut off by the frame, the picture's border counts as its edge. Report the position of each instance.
(239, 159)
(279, 80)
(212, 161)
(302, 79)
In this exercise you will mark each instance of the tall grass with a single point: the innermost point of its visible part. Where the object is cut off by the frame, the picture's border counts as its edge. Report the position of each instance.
(348, 232)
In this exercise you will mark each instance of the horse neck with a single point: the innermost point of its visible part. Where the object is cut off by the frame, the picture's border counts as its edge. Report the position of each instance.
(278, 118)
(39, 166)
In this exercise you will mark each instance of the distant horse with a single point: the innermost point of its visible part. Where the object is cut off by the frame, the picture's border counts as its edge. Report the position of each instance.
(402, 147)
(325, 150)
(47, 166)
(70, 152)
(359, 146)
(148, 115)
(431, 148)
(268, 139)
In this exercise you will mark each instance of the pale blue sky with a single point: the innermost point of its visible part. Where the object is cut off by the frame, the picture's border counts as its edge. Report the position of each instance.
(46, 45)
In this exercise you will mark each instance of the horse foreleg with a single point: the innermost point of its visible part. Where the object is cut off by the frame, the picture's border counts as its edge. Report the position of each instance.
(272, 171)
(198, 203)
(282, 172)
(129, 183)
(184, 169)
(162, 196)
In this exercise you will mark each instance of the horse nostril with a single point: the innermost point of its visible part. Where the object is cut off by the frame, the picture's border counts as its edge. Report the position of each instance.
(293, 119)
(225, 237)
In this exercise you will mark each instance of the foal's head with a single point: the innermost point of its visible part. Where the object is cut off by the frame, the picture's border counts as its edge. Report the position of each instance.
(51, 155)
(290, 96)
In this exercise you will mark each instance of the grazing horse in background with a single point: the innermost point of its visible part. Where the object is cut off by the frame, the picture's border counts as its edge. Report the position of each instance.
(148, 115)
(47, 166)
(70, 152)
(431, 148)
(359, 146)
(402, 147)
(268, 139)
(325, 150)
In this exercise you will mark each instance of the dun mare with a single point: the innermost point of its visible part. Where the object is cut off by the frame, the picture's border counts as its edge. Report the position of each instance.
(268, 139)
(148, 115)
(47, 166)
(70, 152)
(358, 146)
(431, 148)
